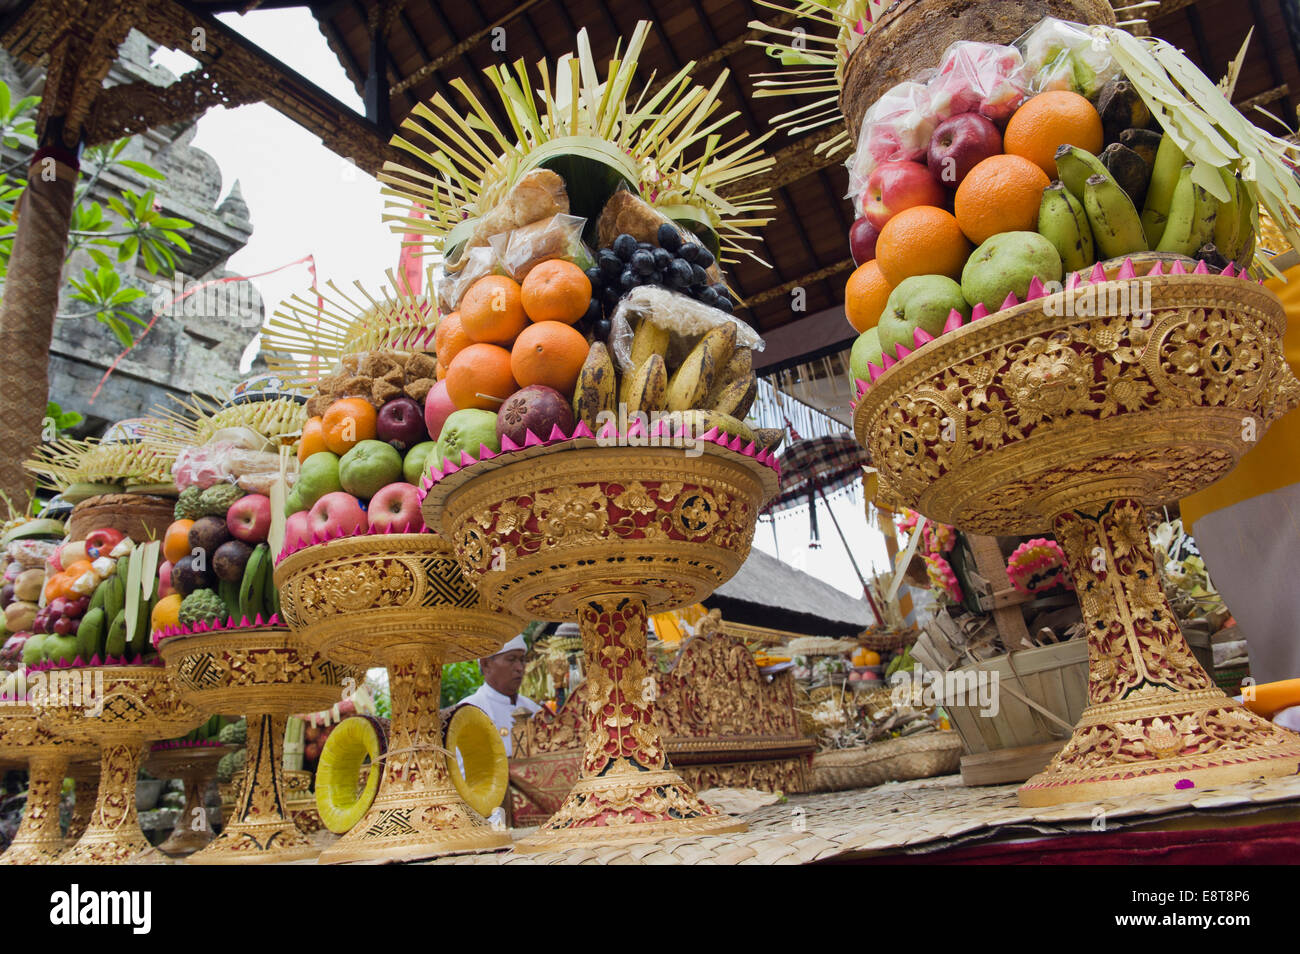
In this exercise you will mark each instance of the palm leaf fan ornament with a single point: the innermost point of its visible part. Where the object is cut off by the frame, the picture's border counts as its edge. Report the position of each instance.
(812, 41)
(122, 456)
(665, 143)
(320, 333)
(261, 404)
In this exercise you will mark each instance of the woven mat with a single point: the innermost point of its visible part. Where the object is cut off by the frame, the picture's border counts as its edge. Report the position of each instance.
(922, 815)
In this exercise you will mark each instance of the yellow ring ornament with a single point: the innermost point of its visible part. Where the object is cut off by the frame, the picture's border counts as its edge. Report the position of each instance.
(345, 751)
(487, 770)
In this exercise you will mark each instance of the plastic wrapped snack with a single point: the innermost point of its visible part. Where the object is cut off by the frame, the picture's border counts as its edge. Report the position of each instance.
(559, 236)
(897, 126)
(978, 77)
(451, 286)
(685, 319)
(1064, 56)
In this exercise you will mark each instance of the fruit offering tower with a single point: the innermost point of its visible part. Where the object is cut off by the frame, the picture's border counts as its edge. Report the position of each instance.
(219, 630)
(593, 462)
(1061, 327)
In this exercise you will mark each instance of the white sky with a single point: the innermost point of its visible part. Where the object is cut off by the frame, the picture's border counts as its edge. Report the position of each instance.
(303, 200)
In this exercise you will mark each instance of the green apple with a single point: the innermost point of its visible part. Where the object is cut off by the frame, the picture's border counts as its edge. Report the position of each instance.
(417, 462)
(318, 476)
(922, 301)
(464, 431)
(1006, 263)
(59, 647)
(369, 467)
(34, 649)
(865, 349)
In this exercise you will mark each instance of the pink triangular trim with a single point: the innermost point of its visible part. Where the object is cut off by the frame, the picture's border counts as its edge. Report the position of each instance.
(1201, 269)
(1177, 268)
(1035, 289)
(979, 311)
(1098, 273)
(1126, 271)
(1010, 301)
(955, 321)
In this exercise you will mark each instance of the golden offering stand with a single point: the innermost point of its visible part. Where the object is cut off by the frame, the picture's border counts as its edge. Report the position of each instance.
(1037, 418)
(604, 536)
(39, 839)
(85, 784)
(196, 766)
(121, 709)
(268, 674)
(399, 599)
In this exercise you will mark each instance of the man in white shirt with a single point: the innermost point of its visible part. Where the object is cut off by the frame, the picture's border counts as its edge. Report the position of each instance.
(499, 695)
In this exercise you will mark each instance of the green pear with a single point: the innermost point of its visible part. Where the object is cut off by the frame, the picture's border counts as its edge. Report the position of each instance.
(465, 430)
(417, 461)
(318, 476)
(865, 349)
(922, 301)
(1006, 263)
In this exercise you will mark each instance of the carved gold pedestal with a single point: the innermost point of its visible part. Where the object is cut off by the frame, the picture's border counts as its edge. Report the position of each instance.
(39, 840)
(196, 766)
(399, 599)
(604, 535)
(121, 708)
(85, 783)
(266, 674)
(1036, 418)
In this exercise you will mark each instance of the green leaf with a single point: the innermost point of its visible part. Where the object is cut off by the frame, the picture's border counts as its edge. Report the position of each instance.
(99, 258)
(143, 168)
(120, 330)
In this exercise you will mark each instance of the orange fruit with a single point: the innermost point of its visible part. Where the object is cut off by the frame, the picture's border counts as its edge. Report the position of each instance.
(556, 291)
(480, 377)
(176, 541)
(550, 353)
(312, 440)
(922, 240)
(865, 296)
(166, 612)
(491, 311)
(1047, 122)
(439, 371)
(347, 422)
(450, 338)
(1001, 194)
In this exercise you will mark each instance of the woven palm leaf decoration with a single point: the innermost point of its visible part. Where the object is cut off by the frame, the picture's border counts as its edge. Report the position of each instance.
(310, 334)
(263, 405)
(123, 456)
(665, 143)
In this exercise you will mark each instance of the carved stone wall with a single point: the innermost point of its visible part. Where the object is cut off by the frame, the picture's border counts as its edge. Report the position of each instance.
(198, 345)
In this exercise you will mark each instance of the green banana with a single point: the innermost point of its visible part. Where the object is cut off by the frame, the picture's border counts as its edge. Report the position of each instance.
(1074, 165)
(270, 595)
(1247, 224)
(1063, 222)
(115, 598)
(1128, 169)
(253, 583)
(1191, 217)
(140, 638)
(1227, 221)
(90, 633)
(229, 592)
(97, 598)
(1160, 189)
(115, 642)
(1116, 228)
(1145, 143)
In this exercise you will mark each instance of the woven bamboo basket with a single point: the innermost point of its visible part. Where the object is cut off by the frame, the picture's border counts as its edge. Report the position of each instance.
(912, 35)
(888, 642)
(138, 516)
(896, 760)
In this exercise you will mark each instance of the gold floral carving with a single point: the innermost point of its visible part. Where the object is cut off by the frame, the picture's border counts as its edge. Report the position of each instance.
(1031, 419)
(39, 839)
(985, 428)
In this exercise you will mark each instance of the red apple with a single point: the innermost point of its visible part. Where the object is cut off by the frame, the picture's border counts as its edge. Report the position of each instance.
(337, 514)
(396, 509)
(895, 186)
(961, 143)
(437, 408)
(862, 241)
(165, 587)
(400, 422)
(249, 518)
(297, 529)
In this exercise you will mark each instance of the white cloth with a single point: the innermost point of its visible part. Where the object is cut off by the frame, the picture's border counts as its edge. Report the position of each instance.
(501, 710)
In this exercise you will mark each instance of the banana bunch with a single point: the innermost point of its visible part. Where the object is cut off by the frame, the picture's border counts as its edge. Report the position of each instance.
(117, 620)
(255, 594)
(715, 384)
(207, 732)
